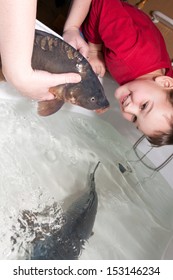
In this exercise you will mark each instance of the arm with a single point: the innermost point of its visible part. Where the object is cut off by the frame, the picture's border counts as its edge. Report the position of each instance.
(78, 12)
(17, 26)
(93, 52)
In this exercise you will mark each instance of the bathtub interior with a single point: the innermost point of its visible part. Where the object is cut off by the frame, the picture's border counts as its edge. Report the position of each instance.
(44, 161)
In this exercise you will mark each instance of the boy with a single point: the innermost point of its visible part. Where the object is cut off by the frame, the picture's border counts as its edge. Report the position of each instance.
(124, 40)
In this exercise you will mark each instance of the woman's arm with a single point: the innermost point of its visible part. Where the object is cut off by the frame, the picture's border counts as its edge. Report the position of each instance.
(17, 27)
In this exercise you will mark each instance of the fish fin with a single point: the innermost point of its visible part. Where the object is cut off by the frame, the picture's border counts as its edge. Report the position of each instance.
(58, 91)
(49, 107)
(2, 78)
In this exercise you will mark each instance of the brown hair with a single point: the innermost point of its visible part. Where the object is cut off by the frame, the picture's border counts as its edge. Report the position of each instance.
(163, 138)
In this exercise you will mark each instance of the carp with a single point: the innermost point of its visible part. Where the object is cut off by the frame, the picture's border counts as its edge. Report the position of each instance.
(53, 54)
(55, 233)
(68, 242)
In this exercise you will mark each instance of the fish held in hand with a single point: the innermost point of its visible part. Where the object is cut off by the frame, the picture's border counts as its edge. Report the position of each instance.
(54, 55)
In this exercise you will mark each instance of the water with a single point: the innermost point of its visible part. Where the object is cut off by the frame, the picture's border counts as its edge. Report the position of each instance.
(44, 164)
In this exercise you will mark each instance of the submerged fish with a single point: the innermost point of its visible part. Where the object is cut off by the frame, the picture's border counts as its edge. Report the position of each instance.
(67, 243)
(52, 54)
(56, 234)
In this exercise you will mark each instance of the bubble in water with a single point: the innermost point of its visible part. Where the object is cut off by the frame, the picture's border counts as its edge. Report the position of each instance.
(51, 155)
(73, 159)
(5, 109)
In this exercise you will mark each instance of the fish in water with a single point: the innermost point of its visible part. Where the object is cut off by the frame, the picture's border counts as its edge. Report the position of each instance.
(52, 54)
(64, 237)
(68, 242)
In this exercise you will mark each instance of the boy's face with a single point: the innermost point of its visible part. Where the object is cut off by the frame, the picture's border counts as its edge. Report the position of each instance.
(145, 103)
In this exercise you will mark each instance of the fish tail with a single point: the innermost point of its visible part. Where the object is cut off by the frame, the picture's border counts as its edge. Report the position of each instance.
(96, 167)
(92, 181)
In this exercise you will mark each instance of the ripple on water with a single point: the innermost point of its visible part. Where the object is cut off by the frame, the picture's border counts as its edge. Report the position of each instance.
(80, 125)
(36, 154)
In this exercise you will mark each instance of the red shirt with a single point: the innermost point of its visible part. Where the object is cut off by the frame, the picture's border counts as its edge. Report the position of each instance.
(132, 44)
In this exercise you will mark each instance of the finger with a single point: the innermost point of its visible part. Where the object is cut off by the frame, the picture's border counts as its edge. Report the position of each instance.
(73, 44)
(94, 69)
(98, 70)
(84, 50)
(49, 96)
(84, 53)
(68, 78)
(51, 80)
(102, 72)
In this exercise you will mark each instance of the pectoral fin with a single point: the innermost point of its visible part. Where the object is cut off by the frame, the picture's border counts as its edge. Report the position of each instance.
(49, 107)
(2, 78)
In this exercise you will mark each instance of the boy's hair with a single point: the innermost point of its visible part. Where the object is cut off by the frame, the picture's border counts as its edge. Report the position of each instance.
(163, 138)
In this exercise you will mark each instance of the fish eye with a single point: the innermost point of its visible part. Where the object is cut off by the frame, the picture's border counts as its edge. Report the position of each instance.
(92, 99)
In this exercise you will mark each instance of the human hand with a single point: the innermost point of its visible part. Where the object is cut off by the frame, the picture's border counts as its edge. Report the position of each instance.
(74, 38)
(35, 84)
(95, 58)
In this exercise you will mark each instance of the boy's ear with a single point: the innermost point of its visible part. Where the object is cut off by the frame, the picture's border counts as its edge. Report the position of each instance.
(164, 81)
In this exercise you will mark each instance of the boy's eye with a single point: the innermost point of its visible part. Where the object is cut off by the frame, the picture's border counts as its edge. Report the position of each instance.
(134, 118)
(144, 106)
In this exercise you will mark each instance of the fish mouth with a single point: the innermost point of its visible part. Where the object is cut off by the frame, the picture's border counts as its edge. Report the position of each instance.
(101, 110)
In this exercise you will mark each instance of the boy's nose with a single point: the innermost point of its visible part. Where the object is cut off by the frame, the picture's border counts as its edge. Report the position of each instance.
(132, 108)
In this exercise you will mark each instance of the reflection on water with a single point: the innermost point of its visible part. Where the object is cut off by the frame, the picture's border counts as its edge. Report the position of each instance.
(46, 161)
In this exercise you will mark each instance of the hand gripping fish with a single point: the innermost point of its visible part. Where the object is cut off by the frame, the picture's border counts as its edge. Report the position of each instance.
(52, 54)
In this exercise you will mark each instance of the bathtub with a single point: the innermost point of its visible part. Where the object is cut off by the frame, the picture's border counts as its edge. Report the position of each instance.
(47, 160)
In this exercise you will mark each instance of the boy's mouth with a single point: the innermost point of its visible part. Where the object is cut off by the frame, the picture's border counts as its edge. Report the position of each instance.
(125, 100)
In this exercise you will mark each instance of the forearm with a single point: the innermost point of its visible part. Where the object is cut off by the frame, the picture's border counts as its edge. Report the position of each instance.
(78, 12)
(17, 25)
